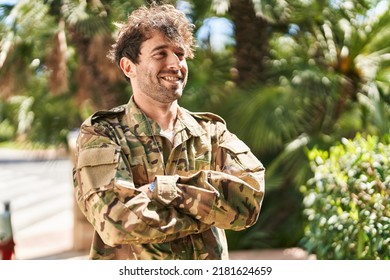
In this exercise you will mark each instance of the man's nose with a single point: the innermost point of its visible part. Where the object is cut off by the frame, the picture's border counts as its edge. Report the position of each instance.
(174, 61)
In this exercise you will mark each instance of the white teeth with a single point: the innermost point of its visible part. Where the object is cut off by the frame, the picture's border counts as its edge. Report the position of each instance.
(170, 78)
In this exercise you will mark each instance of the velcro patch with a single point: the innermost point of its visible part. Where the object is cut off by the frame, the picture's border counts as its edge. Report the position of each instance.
(98, 156)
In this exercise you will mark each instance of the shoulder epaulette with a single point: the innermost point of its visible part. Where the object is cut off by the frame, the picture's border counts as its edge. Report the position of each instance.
(207, 116)
(112, 113)
(109, 113)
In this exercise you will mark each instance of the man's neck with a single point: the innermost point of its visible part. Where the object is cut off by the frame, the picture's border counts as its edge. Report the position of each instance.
(164, 114)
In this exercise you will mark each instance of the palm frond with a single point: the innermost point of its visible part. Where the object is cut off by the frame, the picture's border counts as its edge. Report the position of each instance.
(87, 19)
(264, 118)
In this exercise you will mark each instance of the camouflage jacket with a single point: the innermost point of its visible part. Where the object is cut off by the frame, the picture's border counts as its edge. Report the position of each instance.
(212, 182)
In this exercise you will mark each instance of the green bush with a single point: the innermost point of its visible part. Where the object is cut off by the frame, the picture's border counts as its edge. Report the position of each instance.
(55, 116)
(15, 117)
(7, 130)
(40, 119)
(346, 202)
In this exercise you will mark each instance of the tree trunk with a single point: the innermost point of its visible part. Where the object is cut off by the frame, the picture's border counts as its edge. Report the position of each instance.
(252, 35)
(97, 78)
(58, 82)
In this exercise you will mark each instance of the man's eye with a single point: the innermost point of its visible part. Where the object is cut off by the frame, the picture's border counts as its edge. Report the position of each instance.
(160, 55)
(180, 55)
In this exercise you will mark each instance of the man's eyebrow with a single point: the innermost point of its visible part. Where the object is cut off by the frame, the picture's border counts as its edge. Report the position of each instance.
(166, 46)
(160, 47)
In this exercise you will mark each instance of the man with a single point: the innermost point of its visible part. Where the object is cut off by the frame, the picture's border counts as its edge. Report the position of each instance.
(155, 180)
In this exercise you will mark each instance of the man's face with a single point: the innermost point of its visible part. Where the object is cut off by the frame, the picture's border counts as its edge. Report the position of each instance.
(162, 70)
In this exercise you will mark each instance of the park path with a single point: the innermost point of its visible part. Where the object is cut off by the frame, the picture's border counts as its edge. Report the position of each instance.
(38, 186)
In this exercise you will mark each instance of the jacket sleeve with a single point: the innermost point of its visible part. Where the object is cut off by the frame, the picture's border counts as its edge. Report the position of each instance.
(228, 197)
(118, 211)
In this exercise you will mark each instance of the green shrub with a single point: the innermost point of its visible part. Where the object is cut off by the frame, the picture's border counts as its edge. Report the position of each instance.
(346, 202)
(15, 117)
(41, 119)
(54, 117)
(7, 130)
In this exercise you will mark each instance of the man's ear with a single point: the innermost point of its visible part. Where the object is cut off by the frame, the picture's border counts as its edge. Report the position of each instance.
(127, 67)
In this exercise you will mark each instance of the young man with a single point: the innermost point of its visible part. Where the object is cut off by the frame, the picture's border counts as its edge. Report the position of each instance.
(155, 180)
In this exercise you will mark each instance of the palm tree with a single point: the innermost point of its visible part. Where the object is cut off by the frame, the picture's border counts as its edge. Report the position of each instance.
(22, 23)
(254, 22)
(89, 30)
(55, 51)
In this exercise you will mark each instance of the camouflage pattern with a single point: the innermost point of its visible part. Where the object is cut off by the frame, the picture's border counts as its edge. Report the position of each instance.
(213, 182)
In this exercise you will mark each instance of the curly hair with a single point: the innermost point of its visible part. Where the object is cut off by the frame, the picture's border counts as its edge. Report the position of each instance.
(146, 20)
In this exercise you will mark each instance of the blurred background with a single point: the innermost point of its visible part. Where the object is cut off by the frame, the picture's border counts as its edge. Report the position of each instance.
(306, 84)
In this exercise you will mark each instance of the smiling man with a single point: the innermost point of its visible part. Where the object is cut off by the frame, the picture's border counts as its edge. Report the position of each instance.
(155, 180)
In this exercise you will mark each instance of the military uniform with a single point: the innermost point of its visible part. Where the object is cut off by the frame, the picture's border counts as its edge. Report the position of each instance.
(206, 180)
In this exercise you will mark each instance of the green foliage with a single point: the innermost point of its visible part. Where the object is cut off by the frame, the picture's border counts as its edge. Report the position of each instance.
(347, 200)
(54, 117)
(38, 118)
(7, 131)
(7, 127)
(208, 83)
(15, 117)
(328, 79)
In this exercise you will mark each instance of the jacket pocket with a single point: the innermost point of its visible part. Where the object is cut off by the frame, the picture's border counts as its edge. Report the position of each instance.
(239, 154)
(97, 167)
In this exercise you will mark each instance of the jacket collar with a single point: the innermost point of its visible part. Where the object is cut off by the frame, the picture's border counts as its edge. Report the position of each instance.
(140, 125)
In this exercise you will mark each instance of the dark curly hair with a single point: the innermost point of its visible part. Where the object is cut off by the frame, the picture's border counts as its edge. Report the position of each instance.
(143, 22)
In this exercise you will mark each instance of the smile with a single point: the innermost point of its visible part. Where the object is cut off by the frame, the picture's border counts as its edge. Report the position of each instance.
(171, 78)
